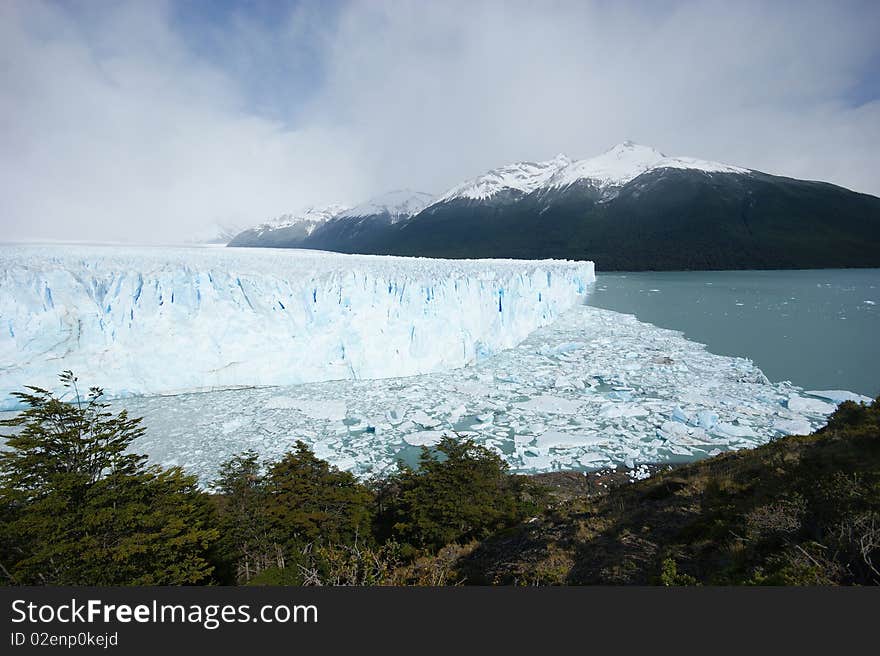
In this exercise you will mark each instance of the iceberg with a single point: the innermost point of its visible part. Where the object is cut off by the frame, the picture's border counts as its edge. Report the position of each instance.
(147, 321)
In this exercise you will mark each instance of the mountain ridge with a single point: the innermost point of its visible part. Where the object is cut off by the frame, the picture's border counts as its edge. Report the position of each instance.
(629, 208)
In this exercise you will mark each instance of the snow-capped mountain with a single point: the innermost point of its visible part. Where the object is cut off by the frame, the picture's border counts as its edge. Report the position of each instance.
(308, 219)
(627, 161)
(629, 208)
(396, 205)
(613, 168)
(520, 177)
(287, 230)
(327, 227)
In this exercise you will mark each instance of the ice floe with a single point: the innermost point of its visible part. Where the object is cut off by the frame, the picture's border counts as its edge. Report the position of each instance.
(681, 403)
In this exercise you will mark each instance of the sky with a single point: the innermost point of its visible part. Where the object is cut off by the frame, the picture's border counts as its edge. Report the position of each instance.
(152, 121)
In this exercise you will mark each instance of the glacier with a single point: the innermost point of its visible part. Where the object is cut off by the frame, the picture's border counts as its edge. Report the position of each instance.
(151, 320)
(594, 389)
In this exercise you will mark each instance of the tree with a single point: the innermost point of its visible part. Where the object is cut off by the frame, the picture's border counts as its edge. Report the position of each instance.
(78, 508)
(460, 492)
(247, 536)
(310, 501)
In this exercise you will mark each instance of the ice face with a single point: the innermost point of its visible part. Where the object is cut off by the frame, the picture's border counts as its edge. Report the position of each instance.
(595, 389)
(167, 320)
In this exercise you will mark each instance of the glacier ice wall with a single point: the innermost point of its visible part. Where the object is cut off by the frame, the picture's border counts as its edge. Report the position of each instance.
(166, 320)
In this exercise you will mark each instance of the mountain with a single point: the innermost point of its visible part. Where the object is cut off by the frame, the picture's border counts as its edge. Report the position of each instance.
(216, 233)
(287, 230)
(362, 226)
(603, 174)
(336, 227)
(394, 205)
(630, 208)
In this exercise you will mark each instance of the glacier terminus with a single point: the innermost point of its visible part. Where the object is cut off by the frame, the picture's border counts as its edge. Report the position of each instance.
(141, 320)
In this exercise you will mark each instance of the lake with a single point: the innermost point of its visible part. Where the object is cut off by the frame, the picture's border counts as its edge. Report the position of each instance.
(819, 329)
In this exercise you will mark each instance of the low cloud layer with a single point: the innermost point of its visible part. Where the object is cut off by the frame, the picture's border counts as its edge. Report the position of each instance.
(127, 124)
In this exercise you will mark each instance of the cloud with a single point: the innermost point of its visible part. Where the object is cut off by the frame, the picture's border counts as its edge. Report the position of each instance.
(126, 135)
(120, 127)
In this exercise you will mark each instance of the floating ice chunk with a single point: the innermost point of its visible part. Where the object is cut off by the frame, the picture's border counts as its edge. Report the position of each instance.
(538, 462)
(395, 416)
(707, 419)
(316, 409)
(733, 430)
(839, 396)
(559, 349)
(681, 434)
(801, 405)
(592, 458)
(423, 438)
(616, 410)
(232, 425)
(565, 383)
(343, 462)
(457, 413)
(672, 429)
(422, 418)
(793, 426)
(547, 404)
(558, 439)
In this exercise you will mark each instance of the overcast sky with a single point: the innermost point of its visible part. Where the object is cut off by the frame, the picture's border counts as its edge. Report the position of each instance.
(146, 121)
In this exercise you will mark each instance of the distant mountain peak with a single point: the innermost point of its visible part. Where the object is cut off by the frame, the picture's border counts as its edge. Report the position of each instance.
(398, 204)
(522, 177)
(308, 219)
(615, 167)
(317, 213)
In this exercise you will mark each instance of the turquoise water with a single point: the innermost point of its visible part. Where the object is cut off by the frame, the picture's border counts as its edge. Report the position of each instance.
(819, 329)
